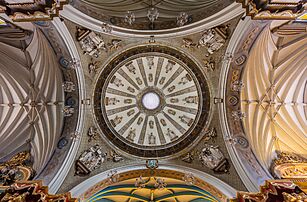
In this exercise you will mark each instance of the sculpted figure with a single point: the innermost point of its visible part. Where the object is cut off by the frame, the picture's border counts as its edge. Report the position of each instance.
(206, 38)
(186, 120)
(151, 139)
(131, 135)
(171, 134)
(211, 156)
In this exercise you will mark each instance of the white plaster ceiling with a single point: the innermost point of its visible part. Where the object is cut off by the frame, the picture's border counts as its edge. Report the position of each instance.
(30, 84)
(167, 8)
(273, 98)
(133, 15)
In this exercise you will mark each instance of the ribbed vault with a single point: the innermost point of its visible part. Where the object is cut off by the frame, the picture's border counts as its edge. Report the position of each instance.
(31, 98)
(273, 98)
(168, 9)
(175, 190)
(166, 12)
(160, 185)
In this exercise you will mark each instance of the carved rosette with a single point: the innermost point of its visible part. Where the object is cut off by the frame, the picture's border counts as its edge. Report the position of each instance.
(151, 101)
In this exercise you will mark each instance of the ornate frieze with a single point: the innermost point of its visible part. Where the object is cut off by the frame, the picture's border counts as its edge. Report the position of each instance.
(93, 66)
(274, 190)
(209, 64)
(69, 86)
(115, 157)
(18, 168)
(210, 134)
(90, 160)
(273, 10)
(211, 39)
(188, 43)
(92, 133)
(106, 28)
(94, 157)
(26, 191)
(188, 158)
(288, 165)
(91, 43)
(32, 10)
(115, 44)
(68, 111)
(212, 157)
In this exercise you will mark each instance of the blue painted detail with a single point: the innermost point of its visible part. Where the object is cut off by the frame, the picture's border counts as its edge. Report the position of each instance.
(152, 163)
(70, 102)
(42, 23)
(64, 62)
(62, 143)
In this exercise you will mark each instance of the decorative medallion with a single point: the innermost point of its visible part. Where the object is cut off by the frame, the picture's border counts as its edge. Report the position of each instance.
(151, 101)
(90, 160)
(233, 100)
(152, 164)
(241, 141)
(212, 157)
(240, 60)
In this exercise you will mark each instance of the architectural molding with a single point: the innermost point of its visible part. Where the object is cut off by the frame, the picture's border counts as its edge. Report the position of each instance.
(59, 178)
(226, 189)
(252, 182)
(76, 16)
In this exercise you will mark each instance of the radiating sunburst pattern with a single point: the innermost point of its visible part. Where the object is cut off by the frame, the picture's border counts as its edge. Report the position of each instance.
(175, 190)
(176, 90)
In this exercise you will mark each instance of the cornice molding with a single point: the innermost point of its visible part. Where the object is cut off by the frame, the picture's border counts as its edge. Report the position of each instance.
(76, 16)
(59, 178)
(226, 189)
(251, 182)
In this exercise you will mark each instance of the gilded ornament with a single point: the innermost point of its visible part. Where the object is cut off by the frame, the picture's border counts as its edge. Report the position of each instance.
(240, 60)
(233, 100)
